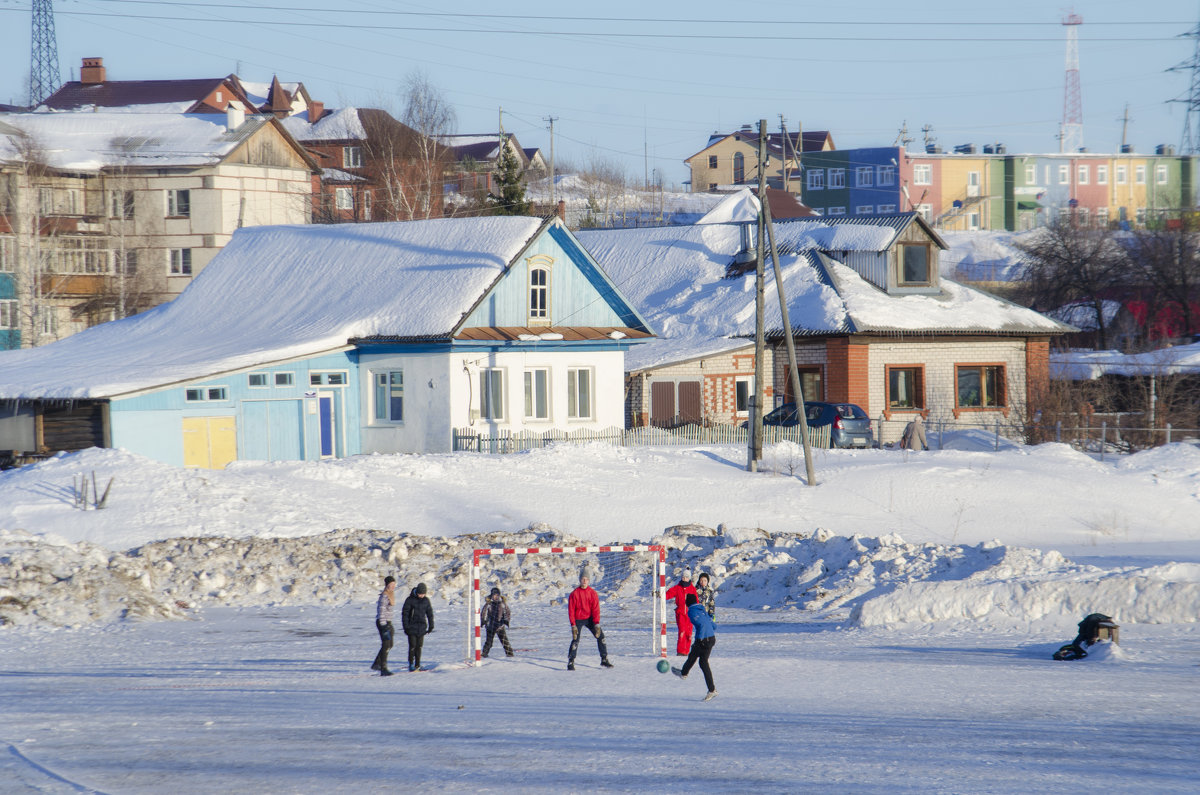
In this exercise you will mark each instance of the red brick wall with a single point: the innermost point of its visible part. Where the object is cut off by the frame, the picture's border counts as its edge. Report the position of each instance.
(847, 379)
(1037, 371)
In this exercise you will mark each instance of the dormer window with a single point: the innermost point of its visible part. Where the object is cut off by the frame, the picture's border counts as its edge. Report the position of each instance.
(916, 263)
(539, 290)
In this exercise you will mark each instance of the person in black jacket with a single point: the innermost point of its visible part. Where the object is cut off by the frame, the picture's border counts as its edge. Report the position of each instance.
(417, 619)
(494, 617)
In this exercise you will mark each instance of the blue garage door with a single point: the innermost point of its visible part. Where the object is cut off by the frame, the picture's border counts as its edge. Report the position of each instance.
(272, 430)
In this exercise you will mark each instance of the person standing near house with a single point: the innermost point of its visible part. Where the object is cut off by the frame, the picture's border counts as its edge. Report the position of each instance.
(706, 638)
(583, 610)
(494, 617)
(679, 592)
(914, 435)
(706, 596)
(417, 619)
(383, 623)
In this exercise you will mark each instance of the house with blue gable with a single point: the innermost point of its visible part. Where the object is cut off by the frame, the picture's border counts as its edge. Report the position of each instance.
(312, 342)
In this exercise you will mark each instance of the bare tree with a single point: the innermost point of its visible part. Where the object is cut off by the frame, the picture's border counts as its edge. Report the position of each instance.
(431, 116)
(1167, 263)
(1067, 264)
(604, 182)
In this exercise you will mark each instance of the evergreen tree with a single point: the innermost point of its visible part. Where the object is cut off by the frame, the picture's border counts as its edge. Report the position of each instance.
(510, 199)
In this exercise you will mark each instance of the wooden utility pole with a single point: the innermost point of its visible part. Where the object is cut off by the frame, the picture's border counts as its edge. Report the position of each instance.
(760, 346)
(553, 193)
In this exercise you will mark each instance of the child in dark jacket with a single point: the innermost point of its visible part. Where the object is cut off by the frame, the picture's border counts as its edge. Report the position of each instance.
(705, 639)
(417, 618)
(494, 617)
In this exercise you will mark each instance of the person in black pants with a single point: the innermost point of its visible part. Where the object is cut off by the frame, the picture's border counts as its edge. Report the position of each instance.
(417, 619)
(383, 623)
(702, 645)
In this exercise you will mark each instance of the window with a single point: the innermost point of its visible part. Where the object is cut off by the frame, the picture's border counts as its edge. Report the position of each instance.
(8, 314)
(1030, 174)
(1122, 175)
(979, 386)
(712, 186)
(837, 178)
(327, 379)
(283, 379)
(389, 396)
(181, 262)
(1064, 215)
(712, 161)
(905, 387)
(1101, 175)
(1101, 217)
(491, 394)
(204, 394)
(121, 204)
(1083, 175)
(47, 322)
(1139, 175)
(352, 157)
(836, 211)
(539, 294)
(1141, 216)
(537, 406)
(1160, 175)
(179, 203)
(886, 208)
(864, 176)
(926, 211)
(125, 262)
(973, 221)
(923, 174)
(1064, 175)
(887, 175)
(816, 179)
(579, 394)
(256, 380)
(7, 259)
(46, 201)
(914, 263)
(742, 394)
(739, 167)
(1081, 217)
(864, 209)
(366, 199)
(343, 198)
(810, 382)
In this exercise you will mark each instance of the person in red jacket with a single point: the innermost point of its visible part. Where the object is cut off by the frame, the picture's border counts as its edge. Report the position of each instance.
(583, 610)
(679, 592)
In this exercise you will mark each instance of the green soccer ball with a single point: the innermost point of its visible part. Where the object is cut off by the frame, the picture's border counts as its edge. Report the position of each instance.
(663, 666)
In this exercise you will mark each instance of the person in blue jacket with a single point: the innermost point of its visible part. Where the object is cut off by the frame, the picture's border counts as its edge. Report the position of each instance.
(704, 639)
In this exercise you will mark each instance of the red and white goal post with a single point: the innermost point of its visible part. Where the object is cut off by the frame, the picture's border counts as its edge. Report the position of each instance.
(658, 558)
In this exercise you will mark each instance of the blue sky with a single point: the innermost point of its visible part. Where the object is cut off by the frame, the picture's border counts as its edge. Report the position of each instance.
(643, 84)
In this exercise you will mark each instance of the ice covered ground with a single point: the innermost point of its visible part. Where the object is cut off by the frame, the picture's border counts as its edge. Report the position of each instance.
(872, 634)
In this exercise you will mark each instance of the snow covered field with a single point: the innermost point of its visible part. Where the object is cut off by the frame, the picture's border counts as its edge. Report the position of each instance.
(872, 636)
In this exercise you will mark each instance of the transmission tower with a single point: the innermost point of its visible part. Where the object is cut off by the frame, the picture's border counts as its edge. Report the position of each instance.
(43, 54)
(1070, 138)
(1190, 143)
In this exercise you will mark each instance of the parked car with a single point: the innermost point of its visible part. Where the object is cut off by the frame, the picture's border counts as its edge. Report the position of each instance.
(850, 425)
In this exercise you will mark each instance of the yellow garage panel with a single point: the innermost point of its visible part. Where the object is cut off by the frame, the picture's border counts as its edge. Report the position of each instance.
(209, 442)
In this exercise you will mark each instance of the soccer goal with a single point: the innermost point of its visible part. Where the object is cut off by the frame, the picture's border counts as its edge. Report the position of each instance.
(635, 574)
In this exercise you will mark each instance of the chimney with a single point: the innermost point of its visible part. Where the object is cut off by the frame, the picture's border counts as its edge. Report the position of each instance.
(315, 111)
(235, 116)
(92, 71)
(562, 211)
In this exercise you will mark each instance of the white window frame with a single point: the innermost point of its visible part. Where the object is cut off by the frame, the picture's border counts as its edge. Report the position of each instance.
(1083, 174)
(1160, 175)
(491, 393)
(922, 173)
(815, 179)
(1139, 174)
(865, 209)
(1101, 175)
(8, 314)
(885, 208)
(352, 157)
(8, 261)
(743, 384)
(329, 378)
(1064, 174)
(1101, 217)
(1122, 175)
(835, 211)
(886, 175)
(262, 376)
(973, 221)
(205, 394)
(864, 176)
(1082, 216)
(1030, 174)
(1140, 215)
(837, 178)
(179, 203)
(537, 307)
(122, 205)
(179, 262)
(343, 198)
(285, 378)
(926, 211)
(581, 381)
(537, 391)
(386, 387)
(366, 203)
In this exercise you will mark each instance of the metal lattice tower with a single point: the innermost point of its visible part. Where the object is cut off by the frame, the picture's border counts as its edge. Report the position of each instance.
(1070, 137)
(1189, 144)
(44, 77)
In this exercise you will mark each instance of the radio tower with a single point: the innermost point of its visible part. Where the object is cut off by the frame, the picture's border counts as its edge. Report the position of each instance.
(1190, 144)
(43, 54)
(1070, 137)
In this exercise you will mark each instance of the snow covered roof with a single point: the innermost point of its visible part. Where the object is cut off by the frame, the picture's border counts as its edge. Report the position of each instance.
(91, 141)
(742, 206)
(279, 292)
(258, 92)
(77, 95)
(337, 175)
(342, 124)
(675, 276)
(1089, 365)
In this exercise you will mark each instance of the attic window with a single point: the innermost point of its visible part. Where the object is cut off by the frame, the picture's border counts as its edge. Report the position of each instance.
(539, 289)
(914, 264)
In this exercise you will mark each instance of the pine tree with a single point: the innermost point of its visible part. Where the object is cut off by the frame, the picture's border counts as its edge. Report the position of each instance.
(510, 200)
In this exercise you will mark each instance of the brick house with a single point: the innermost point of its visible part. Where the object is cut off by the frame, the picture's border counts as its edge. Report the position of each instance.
(730, 159)
(873, 321)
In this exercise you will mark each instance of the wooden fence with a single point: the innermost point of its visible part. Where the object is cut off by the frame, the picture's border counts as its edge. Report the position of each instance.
(470, 440)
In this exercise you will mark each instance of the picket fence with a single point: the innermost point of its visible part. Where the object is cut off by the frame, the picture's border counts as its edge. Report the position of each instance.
(471, 440)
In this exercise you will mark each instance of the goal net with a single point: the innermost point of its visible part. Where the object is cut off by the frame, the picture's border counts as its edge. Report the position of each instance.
(630, 580)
